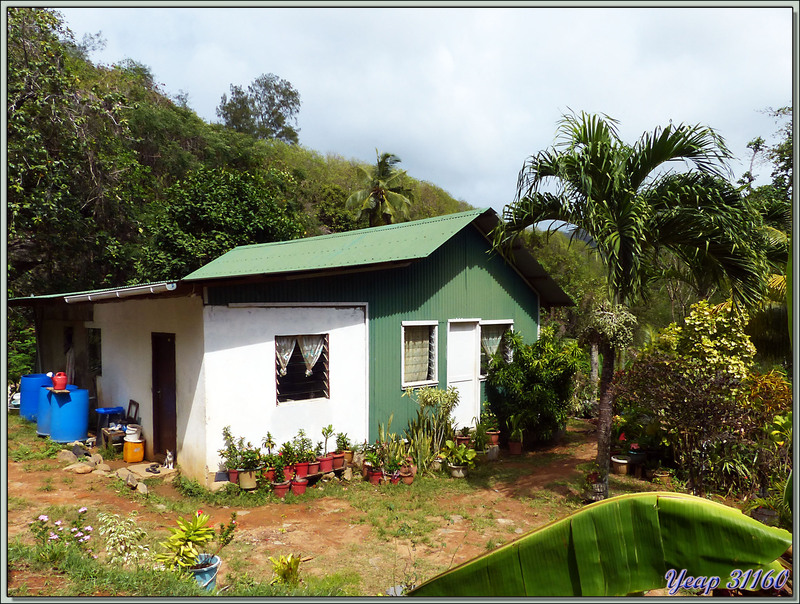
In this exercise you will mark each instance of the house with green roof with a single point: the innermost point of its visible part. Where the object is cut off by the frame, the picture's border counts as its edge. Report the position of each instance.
(301, 334)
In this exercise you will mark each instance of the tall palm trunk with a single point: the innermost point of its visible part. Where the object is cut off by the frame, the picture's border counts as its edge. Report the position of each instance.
(605, 413)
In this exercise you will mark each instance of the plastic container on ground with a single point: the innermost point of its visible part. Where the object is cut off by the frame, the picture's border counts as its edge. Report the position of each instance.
(29, 394)
(69, 416)
(44, 413)
(132, 451)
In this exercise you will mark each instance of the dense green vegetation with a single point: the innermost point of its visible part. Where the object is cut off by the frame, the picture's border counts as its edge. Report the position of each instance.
(112, 182)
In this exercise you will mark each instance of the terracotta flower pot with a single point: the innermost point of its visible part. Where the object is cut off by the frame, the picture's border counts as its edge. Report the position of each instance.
(313, 468)
(394, 479)
(269, 474)
(338, 461)
(407, 478)
(233, 476)
(348, 456)
(375, 476)
(281, 488)
(494, 436)
(462, 440)
(288, 472)
(326, 463)
(515, 447)
(301, 469)
(299, 486)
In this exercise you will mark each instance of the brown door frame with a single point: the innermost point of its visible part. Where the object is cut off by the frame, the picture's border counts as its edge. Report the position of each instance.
(164, 391)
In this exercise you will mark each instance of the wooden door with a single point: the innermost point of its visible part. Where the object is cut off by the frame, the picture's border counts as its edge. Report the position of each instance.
(165, 417)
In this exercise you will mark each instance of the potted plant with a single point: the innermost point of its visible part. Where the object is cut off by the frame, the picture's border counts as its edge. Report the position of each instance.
(480, 438)
(181, 549)
(304, 450)
(326, 460)
(288, 457)
(314, 460)
(249, 467)
(459, 458)
(344, 448)
(463, 436)
(516, 429)
(373, 464)
(492, 426)
(230, 454)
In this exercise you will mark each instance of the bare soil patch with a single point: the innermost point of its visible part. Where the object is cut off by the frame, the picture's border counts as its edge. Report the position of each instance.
(329, 533)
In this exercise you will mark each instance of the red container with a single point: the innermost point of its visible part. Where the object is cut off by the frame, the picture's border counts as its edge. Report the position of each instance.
(60, 381)
(325, 463)
(288, 471)
(338, 461)
(301, 469)
(299, 486)
(281, 488)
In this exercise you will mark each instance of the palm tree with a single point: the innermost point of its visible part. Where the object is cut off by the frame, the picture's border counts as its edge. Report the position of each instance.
(635, 207)
(384, 198)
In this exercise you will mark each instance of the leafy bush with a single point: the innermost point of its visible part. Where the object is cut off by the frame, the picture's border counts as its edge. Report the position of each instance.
(536, 384)
(696, 412)
(123, 537)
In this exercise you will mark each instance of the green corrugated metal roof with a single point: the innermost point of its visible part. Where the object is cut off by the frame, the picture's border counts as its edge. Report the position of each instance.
(378, 245)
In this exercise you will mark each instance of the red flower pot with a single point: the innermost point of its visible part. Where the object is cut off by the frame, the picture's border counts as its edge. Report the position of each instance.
(299, 486)
(462, 440)
(515, 447)
(288, 472)
(281, 488)
(494, 436)
(325, 463)
(375, 476)
(233, 476)
(313, 467)
(394, 479)
(338, 461)
(269, 474)
(301, 469)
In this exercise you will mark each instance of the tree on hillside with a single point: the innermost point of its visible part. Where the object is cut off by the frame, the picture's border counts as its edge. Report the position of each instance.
(211, 212)
(385, 198)
(633, 207)
(70, 173)
(265, 110)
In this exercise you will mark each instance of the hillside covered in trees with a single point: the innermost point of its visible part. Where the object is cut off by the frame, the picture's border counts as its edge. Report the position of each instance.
(112, 182)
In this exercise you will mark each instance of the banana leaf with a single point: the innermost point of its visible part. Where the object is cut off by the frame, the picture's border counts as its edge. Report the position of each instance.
(616, 547)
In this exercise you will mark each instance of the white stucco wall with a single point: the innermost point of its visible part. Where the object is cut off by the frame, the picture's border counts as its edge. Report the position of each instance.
(240, 373)
(126, 329)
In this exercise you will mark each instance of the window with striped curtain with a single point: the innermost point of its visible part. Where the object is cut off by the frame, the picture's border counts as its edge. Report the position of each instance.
(419, 354)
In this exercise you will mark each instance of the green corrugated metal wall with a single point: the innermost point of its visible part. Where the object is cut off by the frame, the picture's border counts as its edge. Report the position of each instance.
(459, 280)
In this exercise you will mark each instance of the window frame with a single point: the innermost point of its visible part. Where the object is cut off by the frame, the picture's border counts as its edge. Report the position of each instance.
(434, 336)
(510, 325)
(325, 355)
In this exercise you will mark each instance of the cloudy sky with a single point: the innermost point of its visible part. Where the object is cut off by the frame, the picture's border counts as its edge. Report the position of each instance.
(464, 94)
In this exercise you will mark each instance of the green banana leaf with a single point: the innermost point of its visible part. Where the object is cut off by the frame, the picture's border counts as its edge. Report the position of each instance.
(619, 546)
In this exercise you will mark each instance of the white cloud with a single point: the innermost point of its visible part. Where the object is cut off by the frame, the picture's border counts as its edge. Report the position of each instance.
(463, 95)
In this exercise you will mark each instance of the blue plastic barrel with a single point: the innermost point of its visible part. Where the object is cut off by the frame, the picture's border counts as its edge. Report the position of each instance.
(29, 394)
(69, 416)
(44, 415)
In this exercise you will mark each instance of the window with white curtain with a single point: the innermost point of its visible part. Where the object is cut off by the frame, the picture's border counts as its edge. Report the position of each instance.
(494, 340)
(301, 367)
(419, 354)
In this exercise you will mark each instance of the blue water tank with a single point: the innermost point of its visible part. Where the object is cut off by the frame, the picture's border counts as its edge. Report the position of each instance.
(69, 416)
(29, 394)
(44, 415)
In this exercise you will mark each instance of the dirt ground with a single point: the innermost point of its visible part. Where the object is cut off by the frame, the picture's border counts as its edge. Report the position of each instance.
(329, 533)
